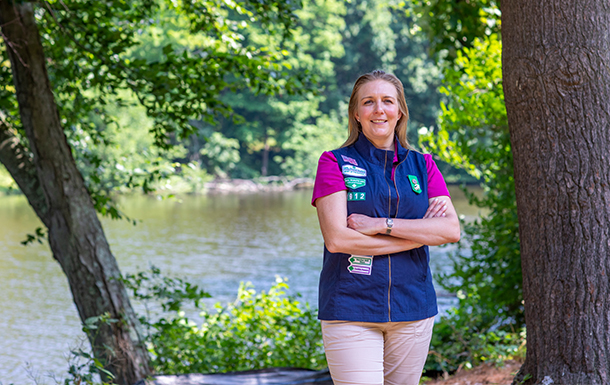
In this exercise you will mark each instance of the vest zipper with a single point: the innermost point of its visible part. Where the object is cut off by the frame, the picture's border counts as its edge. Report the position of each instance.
(389, 216)
(389, 257)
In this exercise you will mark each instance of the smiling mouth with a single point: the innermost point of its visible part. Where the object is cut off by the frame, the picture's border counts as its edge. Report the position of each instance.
(378, 121)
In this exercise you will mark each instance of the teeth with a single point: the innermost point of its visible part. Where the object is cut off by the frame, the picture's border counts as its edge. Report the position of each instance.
(378, 121)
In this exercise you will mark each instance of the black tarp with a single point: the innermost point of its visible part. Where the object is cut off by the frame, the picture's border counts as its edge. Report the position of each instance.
(272, 376)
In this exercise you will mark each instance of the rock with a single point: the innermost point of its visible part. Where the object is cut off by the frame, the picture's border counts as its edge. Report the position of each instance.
(272, 183)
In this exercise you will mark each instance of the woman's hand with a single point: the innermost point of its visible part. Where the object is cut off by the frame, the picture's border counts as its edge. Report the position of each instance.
(436, 208)
(365, 224)
(340, 238)
(371, 226)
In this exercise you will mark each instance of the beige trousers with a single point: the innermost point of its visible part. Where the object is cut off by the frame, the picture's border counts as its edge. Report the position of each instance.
(369, 353)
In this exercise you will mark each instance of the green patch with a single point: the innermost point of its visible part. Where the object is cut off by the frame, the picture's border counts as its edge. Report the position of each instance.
(358, 260)
(355, 183)
(356, 196)
(414, 184)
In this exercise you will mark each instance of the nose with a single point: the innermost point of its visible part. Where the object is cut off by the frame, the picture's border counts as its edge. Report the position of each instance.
(378, 108)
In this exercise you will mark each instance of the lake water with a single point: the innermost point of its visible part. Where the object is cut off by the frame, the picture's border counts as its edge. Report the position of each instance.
(215, 241)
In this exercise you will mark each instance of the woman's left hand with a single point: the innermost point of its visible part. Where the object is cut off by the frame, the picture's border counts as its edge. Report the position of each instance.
(365, 224)
(436, 208)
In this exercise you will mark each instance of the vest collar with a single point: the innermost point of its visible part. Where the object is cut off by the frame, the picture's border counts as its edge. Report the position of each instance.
(366, 149)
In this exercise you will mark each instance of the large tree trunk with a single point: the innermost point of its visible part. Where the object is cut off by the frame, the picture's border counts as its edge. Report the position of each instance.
(56, 191)
(556, 68)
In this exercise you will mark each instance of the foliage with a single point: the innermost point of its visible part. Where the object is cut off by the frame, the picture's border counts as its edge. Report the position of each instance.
(7, 184)
(459, 340)
(256, 331)
(273, 127)
(473, 134)
(169, 293)
(335, 42)
(86, 369)
(222, 154)
(147, 84)
(103, 57)
(452, 25)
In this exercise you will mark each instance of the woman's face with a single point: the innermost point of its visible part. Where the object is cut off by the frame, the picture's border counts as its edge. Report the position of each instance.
(378, 112)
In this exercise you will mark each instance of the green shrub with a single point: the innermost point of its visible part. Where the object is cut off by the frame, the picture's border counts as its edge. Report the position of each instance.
(461, 340)
(473, 135)
(258, 330)
(85, 370)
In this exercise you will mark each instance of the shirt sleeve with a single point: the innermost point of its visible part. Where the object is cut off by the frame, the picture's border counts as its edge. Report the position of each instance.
(329, 178)
(436, 182)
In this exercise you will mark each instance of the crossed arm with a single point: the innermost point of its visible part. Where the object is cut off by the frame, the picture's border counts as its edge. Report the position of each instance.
(363, 235)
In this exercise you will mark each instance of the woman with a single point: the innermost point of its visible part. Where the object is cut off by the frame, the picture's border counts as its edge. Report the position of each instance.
(380, 205)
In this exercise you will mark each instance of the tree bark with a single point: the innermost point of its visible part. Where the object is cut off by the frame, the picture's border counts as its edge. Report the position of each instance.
(56, 190)
(18, 161)
(556, 68)
(265, 155)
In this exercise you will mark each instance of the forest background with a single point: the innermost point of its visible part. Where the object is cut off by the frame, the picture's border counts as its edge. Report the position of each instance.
(448, 57)
(279, 135)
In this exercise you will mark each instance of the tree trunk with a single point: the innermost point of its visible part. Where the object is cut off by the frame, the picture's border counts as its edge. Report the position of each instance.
(56, 191)
(265, 155)
(556, 68)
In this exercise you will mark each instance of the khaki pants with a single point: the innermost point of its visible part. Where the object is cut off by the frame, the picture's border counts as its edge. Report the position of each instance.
(369, 353)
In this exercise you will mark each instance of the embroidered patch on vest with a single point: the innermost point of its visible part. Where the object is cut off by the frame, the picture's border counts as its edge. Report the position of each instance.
(360, 264)
(349, 160)
(356, 196)
(414, 184)
(353, 170)
(355, 183)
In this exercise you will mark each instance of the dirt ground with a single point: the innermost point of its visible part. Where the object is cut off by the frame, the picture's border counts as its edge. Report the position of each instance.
(481, 375)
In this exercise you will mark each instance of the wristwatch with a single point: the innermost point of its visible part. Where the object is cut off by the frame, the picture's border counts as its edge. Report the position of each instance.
(389, 222)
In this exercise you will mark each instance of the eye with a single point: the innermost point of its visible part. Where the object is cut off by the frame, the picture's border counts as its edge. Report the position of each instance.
(389, 101)
(368, 102)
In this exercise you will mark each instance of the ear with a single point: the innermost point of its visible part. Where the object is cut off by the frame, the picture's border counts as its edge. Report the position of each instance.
(356, 116)
(399, 114)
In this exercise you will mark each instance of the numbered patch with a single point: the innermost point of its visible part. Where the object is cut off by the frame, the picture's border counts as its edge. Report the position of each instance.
(355, 183)
(353, 170)
(356, 196)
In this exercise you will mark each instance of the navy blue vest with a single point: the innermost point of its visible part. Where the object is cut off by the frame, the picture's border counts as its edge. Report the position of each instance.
(387, 288)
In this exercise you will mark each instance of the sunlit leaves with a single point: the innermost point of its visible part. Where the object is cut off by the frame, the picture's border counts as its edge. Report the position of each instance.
(257, 330)
(473, 135)
(94, 53)
(452, 25)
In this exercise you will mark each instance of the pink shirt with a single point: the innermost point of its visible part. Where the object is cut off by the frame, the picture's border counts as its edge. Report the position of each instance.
(329, 178)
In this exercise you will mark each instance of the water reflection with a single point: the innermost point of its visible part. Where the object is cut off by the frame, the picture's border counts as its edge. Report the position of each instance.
(215, 241)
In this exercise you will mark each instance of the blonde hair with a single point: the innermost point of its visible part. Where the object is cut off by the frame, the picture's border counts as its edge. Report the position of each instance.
(401, 126)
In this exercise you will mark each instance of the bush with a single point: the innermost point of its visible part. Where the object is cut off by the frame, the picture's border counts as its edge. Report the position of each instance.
(461, 338)
(258, 330)
(473, 135)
